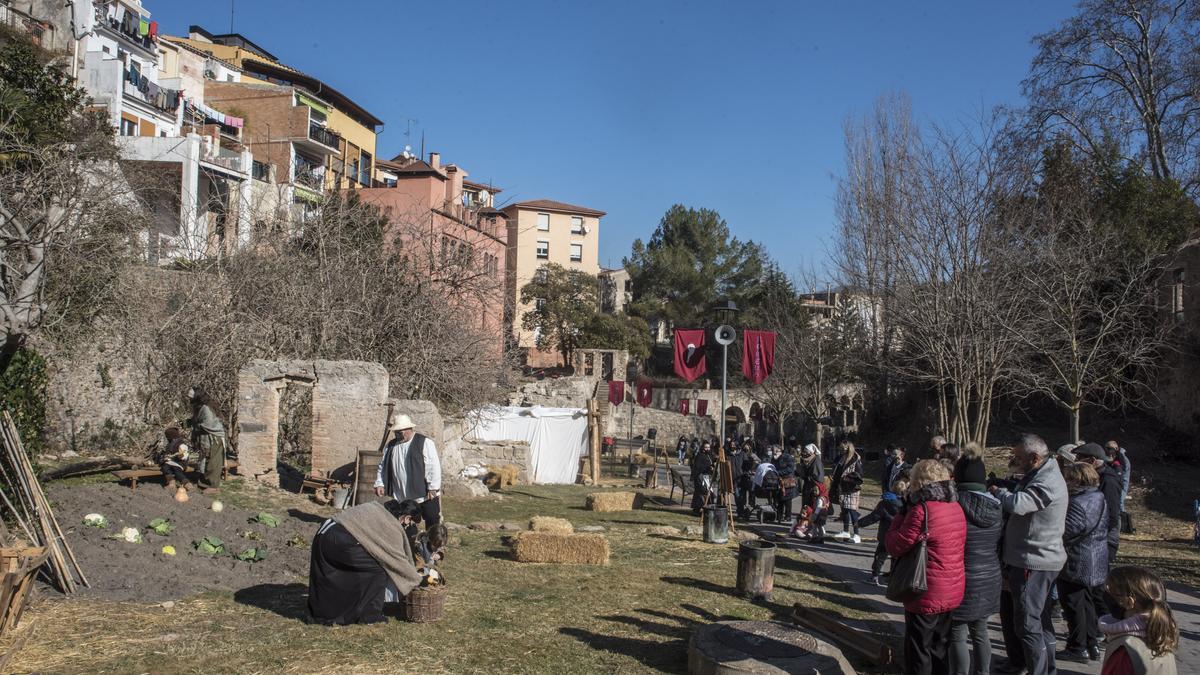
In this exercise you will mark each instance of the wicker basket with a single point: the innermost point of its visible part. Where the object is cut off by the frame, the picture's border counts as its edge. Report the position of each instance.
(425, 604)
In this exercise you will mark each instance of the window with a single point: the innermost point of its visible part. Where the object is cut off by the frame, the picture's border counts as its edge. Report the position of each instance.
(576, 252)
(544, 222)
(539, 304)
(576, 225)
(541, 275)
(129, 127)
(1177, 296)
(364, 174)
(543, 250)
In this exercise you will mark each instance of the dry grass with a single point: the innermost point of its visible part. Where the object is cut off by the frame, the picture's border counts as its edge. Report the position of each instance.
(551, 524)
(607, 502)
(563, 549)
(633, 615)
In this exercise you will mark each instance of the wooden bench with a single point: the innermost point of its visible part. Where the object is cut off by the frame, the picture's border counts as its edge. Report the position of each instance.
(683, 483)
(134, 475)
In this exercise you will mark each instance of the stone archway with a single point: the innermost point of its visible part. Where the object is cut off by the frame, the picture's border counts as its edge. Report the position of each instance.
(349, 412)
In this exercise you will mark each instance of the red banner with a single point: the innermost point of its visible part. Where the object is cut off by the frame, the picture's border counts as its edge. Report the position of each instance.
(758, 354)
(645, 393)
(689, 354)
(685, 406)
(616, 392)
(702, 407)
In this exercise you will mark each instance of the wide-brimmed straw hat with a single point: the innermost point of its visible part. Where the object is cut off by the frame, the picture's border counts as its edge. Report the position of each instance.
(401, 422)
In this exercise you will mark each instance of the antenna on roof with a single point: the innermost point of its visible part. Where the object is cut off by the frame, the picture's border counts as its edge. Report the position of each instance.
(231, 15)
(422, 145)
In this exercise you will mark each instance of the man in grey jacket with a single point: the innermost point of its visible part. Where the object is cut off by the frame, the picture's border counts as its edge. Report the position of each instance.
(1033, 547)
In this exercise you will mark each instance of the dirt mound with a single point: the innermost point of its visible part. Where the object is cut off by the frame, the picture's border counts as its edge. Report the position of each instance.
(119, 570)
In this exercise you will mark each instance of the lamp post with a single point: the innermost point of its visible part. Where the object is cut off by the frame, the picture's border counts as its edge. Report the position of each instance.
(725, 335)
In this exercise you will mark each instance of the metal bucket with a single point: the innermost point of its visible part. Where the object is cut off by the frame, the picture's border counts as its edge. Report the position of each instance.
(756, 569)
(716, 524)
(341, 497)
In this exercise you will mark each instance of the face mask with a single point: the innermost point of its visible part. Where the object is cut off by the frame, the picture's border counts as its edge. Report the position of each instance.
(1110, 603)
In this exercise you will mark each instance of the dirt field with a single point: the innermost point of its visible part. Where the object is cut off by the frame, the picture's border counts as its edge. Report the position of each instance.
(119, 570)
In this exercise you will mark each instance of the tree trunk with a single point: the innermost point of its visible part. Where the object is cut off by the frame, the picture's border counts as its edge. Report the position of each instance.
(1076, 412)
(8, 351)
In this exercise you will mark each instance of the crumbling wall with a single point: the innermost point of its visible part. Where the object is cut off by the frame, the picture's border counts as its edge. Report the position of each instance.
(348, 410)
(496, 453)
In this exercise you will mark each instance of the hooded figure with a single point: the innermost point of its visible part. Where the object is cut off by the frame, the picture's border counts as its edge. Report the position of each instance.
(981, 560)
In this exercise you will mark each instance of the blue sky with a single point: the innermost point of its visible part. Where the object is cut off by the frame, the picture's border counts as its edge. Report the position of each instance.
(630, 107)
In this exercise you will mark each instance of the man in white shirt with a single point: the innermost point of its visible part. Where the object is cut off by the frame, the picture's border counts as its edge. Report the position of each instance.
(410, 469)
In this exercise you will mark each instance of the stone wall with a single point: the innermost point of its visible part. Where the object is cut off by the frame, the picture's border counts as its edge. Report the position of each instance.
(670, 424)
(348, 410)
(495, 453)
(562, 392)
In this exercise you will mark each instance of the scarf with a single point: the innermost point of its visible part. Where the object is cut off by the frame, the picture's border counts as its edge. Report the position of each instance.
(383, 537)
(1114, 628)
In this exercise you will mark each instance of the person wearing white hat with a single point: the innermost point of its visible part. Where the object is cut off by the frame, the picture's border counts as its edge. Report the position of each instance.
(411, 469)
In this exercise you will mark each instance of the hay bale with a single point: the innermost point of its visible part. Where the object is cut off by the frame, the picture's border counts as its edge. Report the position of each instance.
(614, 501)
(551, 524)
(501, 476)
(566, 549)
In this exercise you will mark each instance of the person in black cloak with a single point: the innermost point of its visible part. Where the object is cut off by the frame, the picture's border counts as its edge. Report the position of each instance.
(354, 555)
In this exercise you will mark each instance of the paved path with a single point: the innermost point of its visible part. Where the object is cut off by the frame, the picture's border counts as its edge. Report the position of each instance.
(851, 563)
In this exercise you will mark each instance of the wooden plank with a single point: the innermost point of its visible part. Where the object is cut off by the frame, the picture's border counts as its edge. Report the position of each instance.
(864, 645)
(364, 484)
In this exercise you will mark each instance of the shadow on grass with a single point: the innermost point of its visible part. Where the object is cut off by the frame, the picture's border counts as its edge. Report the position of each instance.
(499, 554)
(528, 494)
(667, 656)
(287, 600)
(779, 611)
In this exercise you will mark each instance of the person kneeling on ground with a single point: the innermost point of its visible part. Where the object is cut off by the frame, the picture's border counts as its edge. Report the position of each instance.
(174, 458)
(811, 523)
(887, 508)
(355, 555)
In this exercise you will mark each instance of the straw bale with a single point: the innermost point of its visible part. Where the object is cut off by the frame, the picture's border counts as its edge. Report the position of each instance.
(567, 549)
(501, 476)
(614, 501)
(551, 524)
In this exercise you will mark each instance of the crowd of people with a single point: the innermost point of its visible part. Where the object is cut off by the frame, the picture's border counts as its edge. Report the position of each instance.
(1040, 538)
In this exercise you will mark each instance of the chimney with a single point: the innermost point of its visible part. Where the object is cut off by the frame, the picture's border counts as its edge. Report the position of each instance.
(435, 160)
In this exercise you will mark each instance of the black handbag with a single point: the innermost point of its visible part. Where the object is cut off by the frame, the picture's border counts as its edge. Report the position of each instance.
(908, 581)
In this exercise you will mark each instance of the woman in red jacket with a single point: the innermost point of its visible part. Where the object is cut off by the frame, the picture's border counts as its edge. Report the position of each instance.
(927, 619)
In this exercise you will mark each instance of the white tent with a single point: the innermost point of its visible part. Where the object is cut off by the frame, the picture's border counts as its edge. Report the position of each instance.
(557, 437)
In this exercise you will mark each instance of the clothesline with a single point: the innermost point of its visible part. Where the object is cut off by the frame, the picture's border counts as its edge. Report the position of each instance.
(216, 115)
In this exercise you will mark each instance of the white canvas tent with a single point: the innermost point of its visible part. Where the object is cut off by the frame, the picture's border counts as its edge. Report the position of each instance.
(557, 437)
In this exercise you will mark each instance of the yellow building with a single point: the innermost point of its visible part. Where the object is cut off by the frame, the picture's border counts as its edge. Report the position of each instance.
(355, 164)
(540, 232)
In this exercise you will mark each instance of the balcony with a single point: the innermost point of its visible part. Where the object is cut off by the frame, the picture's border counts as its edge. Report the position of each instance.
(319, 139)
(126, 31)
(226, 158)
(313, 180)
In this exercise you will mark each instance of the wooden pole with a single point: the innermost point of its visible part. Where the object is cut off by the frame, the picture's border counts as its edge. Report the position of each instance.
(594, 439)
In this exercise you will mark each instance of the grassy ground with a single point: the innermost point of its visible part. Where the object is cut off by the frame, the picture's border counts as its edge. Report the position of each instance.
(634, 615)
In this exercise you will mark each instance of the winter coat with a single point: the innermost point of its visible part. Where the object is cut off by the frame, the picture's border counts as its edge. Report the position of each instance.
(785, 464)
(1111, 487)
(737, 466)
(1086, 538)
(944, 549)
(982, 556)
(1038, 507)
(842, 470)
(891, 471)
(885, 511)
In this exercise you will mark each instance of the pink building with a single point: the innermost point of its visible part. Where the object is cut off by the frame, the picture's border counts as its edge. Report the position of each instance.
(450, 224)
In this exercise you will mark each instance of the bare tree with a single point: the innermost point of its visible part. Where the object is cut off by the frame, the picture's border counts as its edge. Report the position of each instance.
(1094, 334)
(1123, 71)
(922, 218)
(66, 223)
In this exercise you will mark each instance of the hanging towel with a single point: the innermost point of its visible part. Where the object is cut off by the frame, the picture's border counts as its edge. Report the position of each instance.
(153, 30)
(143, 27)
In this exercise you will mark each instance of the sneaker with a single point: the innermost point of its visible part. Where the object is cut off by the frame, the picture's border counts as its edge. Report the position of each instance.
(1094, 652)
(856, 539)
(875, 580)
(842, 535)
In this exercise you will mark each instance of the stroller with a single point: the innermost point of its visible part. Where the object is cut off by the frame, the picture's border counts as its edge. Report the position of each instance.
(770, 490)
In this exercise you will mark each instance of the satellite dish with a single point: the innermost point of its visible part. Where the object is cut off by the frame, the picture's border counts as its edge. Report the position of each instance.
(725, 335)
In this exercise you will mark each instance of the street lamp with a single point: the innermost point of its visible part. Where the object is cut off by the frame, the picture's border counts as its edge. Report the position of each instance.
(725, 335)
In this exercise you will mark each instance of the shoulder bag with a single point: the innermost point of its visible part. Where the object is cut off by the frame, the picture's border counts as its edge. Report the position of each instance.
(908, 581)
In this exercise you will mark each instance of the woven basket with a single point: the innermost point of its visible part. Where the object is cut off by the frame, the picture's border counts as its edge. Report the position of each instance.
(425, 604)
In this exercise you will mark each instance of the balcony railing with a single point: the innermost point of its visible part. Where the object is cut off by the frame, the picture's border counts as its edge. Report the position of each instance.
(314, 181)
(127, 29)
(229, 159)
(323, 135)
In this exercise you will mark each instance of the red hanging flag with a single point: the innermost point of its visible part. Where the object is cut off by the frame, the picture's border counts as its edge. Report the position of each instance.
(702, 407)
(645, 393)
(685, 406)
(616, 392)
(689, 354)
(758, 354)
